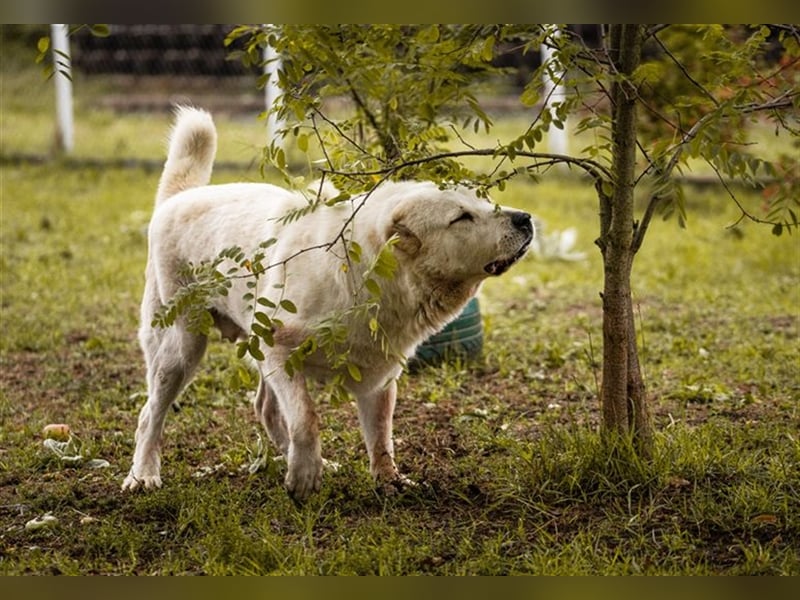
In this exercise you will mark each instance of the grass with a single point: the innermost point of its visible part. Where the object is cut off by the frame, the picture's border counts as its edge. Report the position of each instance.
(513, 478)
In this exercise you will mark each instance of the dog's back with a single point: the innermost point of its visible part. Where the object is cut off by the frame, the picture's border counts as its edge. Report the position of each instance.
(190, 158)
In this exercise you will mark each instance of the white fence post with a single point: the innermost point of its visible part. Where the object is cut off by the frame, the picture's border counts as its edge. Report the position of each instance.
(272, 92)
(65, 127)
(554, 92)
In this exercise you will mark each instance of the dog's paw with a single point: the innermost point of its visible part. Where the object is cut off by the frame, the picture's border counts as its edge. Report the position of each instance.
(303, 479)
(144, 481)
(397, 484)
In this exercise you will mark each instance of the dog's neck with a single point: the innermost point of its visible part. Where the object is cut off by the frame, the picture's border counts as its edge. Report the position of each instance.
(445, 301)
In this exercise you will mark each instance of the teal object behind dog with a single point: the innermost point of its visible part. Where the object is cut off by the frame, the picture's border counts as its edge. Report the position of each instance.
(461, 338)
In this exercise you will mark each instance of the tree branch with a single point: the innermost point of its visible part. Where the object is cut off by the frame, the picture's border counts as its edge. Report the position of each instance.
(545, 105)
(686, 73)
(641, 226)
(385, 137)
(785, 100)
(654, 30)
(591, 167)
(782, 101)
(745, 214)
(320, 141)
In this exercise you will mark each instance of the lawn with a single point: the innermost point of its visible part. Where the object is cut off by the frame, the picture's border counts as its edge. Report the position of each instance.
(506, 449)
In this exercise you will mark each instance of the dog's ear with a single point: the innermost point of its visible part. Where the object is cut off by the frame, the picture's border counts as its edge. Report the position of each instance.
(407, 242)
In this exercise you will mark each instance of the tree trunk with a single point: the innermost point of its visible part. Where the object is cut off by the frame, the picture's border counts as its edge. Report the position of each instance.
(639, 422)
(622, 392)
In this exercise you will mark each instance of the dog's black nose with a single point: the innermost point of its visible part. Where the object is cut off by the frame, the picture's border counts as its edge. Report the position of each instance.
(522, 221)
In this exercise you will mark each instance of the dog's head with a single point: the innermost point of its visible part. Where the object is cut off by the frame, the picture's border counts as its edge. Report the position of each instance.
(455, 236)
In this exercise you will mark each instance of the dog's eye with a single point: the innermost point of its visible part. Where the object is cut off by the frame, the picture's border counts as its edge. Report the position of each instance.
(464, 216)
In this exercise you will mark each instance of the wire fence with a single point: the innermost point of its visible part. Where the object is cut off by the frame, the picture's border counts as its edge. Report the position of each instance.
(148, 69)
(123, 89)
(194, 50)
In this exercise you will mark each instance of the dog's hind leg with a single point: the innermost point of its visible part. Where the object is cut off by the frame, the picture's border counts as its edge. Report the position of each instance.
(268, 411)
(172, 355)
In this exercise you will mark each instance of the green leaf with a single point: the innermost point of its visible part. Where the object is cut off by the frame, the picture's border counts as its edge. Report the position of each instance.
(43, 45)
(530, 95)
(302, 143)
(487, 49)
(354, 371)
(280, 159)
(373, 288)
(288, 306)
(263, 318)
(266, 302)
(244, 375)
(100, 30)
(386, 263)
(428, 35)
(263, 333)
(255, 350)
(648, 72)
(354, 252)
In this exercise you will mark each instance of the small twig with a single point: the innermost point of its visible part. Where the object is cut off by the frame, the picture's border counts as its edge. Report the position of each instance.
(685, 72)
(339, 130)
(355, 211)
(545, 104)
(785, 100)
(641, 227)
(655, 29)
(321, 143)
(733, 197)
(386, 140)
(461, 138)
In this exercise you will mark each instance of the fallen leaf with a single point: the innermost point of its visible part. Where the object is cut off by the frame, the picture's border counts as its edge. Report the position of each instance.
(677, 482)
(765, 519)
(46, 520)
(57, 431)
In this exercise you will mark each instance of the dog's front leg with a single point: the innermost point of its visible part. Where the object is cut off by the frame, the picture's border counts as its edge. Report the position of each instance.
(304, 454)
(375, 412)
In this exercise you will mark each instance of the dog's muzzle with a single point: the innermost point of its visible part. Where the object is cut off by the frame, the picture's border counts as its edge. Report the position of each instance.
(522, 223)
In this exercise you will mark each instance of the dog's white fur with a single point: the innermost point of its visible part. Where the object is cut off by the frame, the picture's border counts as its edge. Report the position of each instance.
(448, 242)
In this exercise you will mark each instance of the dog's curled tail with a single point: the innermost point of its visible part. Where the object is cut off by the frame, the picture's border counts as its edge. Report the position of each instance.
(190, 158)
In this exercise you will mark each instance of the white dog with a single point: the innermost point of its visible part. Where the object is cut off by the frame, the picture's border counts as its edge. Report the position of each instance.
(447, 241)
